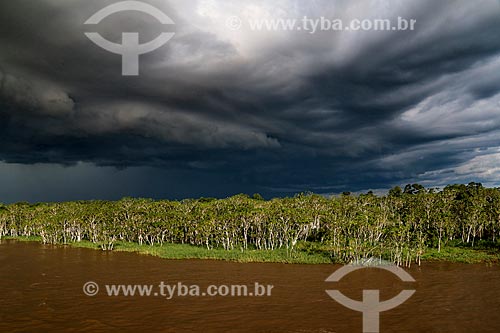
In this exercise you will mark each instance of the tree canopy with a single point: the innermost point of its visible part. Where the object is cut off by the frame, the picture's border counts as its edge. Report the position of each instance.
(398, 227)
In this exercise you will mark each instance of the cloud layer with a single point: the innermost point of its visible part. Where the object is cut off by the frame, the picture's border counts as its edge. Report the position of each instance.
(267, 111)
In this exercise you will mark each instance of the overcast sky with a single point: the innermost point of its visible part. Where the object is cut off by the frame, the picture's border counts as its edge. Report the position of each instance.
(218, 111)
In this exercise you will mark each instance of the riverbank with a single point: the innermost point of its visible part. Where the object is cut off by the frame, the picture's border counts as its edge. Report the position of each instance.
(183, 251)
(302, 255)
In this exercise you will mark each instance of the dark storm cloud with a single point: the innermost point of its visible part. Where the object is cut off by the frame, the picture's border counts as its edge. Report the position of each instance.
(274, 112)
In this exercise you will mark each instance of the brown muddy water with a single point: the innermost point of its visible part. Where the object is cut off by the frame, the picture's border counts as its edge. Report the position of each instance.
(41, 291)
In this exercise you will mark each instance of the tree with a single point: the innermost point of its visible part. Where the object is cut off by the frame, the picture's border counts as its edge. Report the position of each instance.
(395, 192)
(414, 189)
(258, 197)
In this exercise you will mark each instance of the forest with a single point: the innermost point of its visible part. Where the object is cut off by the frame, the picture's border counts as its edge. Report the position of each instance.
(400, 226)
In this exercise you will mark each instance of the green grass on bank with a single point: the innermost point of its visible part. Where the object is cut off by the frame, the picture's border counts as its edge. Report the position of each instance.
(183, 251)
(462, 255)
(305, 254)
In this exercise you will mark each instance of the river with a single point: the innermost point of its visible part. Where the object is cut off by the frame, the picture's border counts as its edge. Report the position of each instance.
(41, 291)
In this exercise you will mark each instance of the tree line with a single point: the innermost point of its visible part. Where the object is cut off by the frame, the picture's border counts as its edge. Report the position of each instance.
(399, 226)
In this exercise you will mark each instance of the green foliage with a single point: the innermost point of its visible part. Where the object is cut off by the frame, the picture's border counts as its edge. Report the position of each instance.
(404, 226)
(257, 196)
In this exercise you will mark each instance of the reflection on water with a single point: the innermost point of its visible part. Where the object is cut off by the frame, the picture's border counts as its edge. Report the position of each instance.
(41, 291)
